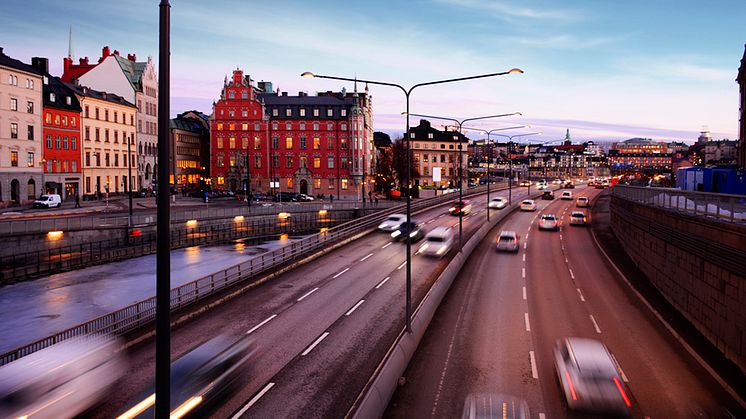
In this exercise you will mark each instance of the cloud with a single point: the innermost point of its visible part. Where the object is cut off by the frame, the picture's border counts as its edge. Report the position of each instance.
(507, 10)
(570, 42)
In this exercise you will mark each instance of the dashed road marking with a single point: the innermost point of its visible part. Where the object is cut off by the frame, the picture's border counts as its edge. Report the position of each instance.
(524, 245)
(524, 257)
(308, 293)
(595, 324)
(402, 265)
(528, 324)
(387, 245)
(343, 271)
(524, 293)
(534, 371)
(382, 282)
(523, 272)
(354, 307)
(572, 275)
(581, 295)
(261, 324)
(315, 343)
(253, 400)
(542, 416)
(369, 255)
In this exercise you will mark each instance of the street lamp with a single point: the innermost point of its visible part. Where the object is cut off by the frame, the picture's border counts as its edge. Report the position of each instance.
(407, 93)
(510, 160)
(129, 178)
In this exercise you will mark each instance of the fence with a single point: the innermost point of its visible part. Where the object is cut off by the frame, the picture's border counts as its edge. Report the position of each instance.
(724, 207)
(142, 313)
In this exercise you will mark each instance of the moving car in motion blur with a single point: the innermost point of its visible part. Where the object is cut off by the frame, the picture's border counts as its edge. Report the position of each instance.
(578, 218)
(497, 203)
(589, 378)
(200, 377)
(541, 185)
(566, 195)
(582, 202)
(528, 205)
(507, 241)
(525, 183)
(438, 242)
(414, 230)
(392, 223)
(548, 222)
(61, 381)
(460, 208)
(503, 406)
(547, 195)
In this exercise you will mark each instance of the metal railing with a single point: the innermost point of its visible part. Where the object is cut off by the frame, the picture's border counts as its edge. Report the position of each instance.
(142, 313)
(723, 207)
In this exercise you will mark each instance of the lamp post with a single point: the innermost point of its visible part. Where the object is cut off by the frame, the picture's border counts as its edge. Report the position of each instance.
(129, 178)
(407, 93)
(510, 160)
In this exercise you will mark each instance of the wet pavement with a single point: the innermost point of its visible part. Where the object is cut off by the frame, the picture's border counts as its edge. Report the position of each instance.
(36, 309)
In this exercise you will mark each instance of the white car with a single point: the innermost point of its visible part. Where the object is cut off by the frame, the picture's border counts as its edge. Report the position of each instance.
(497, 203)
(582, 202)
(48, 201)
(392, 222)
(528, 205)
(548, 222)
(578, 218)
(507, 241)
(566, 195)
(438, 242)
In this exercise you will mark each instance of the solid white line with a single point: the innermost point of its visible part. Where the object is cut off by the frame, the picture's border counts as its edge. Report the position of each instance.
(386, 245)
(528, 324)
(363, 259)
(354, 307)
(571, 274)
(523, 272)
(402, 265)
(529, 228)
(382, 282)
(595, 324)
(345, 270)
(308, 293)
(524, 293)
(581, 295)
(262, 323)
(619, 367)
(431, 221)
(534, 372)
(313, 345)
(253, 400)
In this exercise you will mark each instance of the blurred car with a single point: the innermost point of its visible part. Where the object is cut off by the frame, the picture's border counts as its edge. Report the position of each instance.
(304, 198)
(438, 242)
(548, 222)
(286, 197)
(394, 194)
(200, 377)
(589, 378)
(460, 208)
(60, 381)
(542, 185)
(414, 230)
(547, 195)
(568, 185)
(392, 223)
(507, 241)
(557, 181)
(486, 406)
(582, 202)
(578, 218)
(528, 205)
(497, 203)
(524, 183)
(566, 195)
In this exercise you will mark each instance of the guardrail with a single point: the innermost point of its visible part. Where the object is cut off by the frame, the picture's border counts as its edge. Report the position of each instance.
(724, 207)
(141, 313)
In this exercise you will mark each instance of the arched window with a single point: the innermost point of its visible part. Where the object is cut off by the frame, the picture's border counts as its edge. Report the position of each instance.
(31, 189)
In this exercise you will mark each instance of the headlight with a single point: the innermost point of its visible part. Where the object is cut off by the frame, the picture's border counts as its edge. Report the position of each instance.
(412, 234)
(396, 234)
(382, 226)
(442, 250)
(424, 247)
(452, 209)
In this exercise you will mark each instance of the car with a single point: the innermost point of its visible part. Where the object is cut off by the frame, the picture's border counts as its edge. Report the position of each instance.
(413, 229)
(438, 242)
(578, 218)
(566, 195)
(304, 198)
(542, 185)
(589, 377)
(524, 183)
(460, 208)
(507, 241)
(528, 205)
(286, 197)
(582, 202)
(48, 201)
(557, 181)
(568, 185)
(491, 405)
(547, 195)
(394, 194)
(392, 222)
(548, 222)
(497, 203)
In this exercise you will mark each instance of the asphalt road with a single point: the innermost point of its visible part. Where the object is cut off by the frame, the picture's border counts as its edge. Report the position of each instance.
(495, 330)
(318, 342)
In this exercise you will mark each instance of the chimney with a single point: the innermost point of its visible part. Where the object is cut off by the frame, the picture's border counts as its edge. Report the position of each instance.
(116, 52)
(132, 57)
(105, 52)
(40, 63)
(83, 61)
(284, 93)
(66, 63)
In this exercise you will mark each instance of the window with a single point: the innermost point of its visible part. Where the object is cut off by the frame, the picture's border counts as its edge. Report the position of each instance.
(106, 135)
(116, 117)
(221, 162)
(257, 143)
(290, 182)
(331, 183)
(430, 135)
(87, 113)
(330, 112)
(302, 126)
(303, 161)
(315, 112)
(232, 142)
(302, 111)
(244, 95)
(302, 142)
(231, 113)
(49, 166)
(317, 162)
(330, 143)
(116, 160)
(275, 142)
(31, 132)
(220, 125)
(274, 112)
(329, 126)
(14, 158)
(56, 119)
(330, 162)
(106, 114)
(30, 159)
(232, 159)
(64, 120)
(116, 137)
(257, 161)
(74, 166)
(65, 143)
(107, 160)
(48, 118)
(98, 134)
(244, 142)
(231, 126)
(316, 143)
(315, 126)
(275, 161)
(30, 84)
(344, 162)
(49, 141)
(343, 126)
(288, 143)
(288, 112)
(343, 144)
(231, 94)
(12, 80)
(256, 126)
(288, 126)
(219, 142)
(13, 104)
(289, 161)
(344, 184)
(74, 143)
(97, 113)
(244, 126)
(343, 112)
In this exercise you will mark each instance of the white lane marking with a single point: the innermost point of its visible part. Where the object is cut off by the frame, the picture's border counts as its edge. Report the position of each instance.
(525, 244)
(313, 345)
(524, 257)
(534, 371)
(382, 282)
(528, 324)
(619, 367)
(560, 236)
(431, 221)
(442, 215)
(308, 293)
(572, 275)
(261, 324)
(354, 307)
(529, 228)
(581, 295)
(595, 324)
(526, 236)
(455, 225)
(337, 275)
(402, 265)
(369, 255)
(253, 400)
(523, 272)
(566, 260)
(542, 416)
(524, 293)
(387, 245)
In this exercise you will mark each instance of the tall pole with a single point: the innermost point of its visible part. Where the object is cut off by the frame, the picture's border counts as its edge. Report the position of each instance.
(129, 177)
(163, 261)
(510, 173)
(248, 178)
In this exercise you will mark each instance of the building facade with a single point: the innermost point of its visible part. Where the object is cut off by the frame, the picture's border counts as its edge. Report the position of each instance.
(190, 150)
(108, 131)
(437, 155)
(319, 144)
(20, 132)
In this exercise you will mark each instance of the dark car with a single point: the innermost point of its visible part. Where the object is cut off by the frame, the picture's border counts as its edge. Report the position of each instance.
(547, 195)
(460, 208)
(286, 197)
(415, 231)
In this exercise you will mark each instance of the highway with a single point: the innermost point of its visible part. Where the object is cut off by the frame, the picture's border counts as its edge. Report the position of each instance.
(321, 328)
(496, 328)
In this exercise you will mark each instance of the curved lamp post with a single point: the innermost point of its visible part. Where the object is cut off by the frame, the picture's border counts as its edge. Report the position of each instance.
(407, 94)
(510, 160)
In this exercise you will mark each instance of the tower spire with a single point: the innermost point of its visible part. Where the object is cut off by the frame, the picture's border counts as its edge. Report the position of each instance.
(70, 43)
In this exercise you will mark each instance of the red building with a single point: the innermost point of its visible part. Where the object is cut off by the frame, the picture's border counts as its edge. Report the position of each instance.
(308, 144)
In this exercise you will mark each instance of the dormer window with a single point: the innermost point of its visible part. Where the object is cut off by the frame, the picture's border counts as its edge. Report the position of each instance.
(68, 100)
(231, 95)
(343, 112)
(46, 80)
(329, 112)
(288, 112)
(52, 97)
(430, 135)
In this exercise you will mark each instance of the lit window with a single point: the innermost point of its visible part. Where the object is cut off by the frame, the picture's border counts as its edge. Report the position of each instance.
(344, 183)
(232, 143)
(288, 143)
(290, 182)
(315, 112)
(288, 112)
(316, 143)
(317, 183)
(317, 162)
(329, 112)
(288, 126)
(274, 112)
(302, 111)
(343, 112)
(14, 158)
(220, 142)
(257, 143)
(13, 104)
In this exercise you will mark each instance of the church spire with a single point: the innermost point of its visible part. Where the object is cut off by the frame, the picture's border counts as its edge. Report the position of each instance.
(567, 137)
(70, 44)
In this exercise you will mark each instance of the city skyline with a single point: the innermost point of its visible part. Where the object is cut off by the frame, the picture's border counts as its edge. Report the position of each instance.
(667, 77)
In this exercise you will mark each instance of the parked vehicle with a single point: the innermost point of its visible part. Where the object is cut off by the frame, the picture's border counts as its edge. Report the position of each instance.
(286, 197)
(438, 242)
(304, 198)
(48, 201)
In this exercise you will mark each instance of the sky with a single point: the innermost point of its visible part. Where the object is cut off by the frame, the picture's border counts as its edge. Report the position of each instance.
(605, 70)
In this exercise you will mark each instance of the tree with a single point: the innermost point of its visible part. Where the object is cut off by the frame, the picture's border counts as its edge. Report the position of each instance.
(385, 169)
(399, 157)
